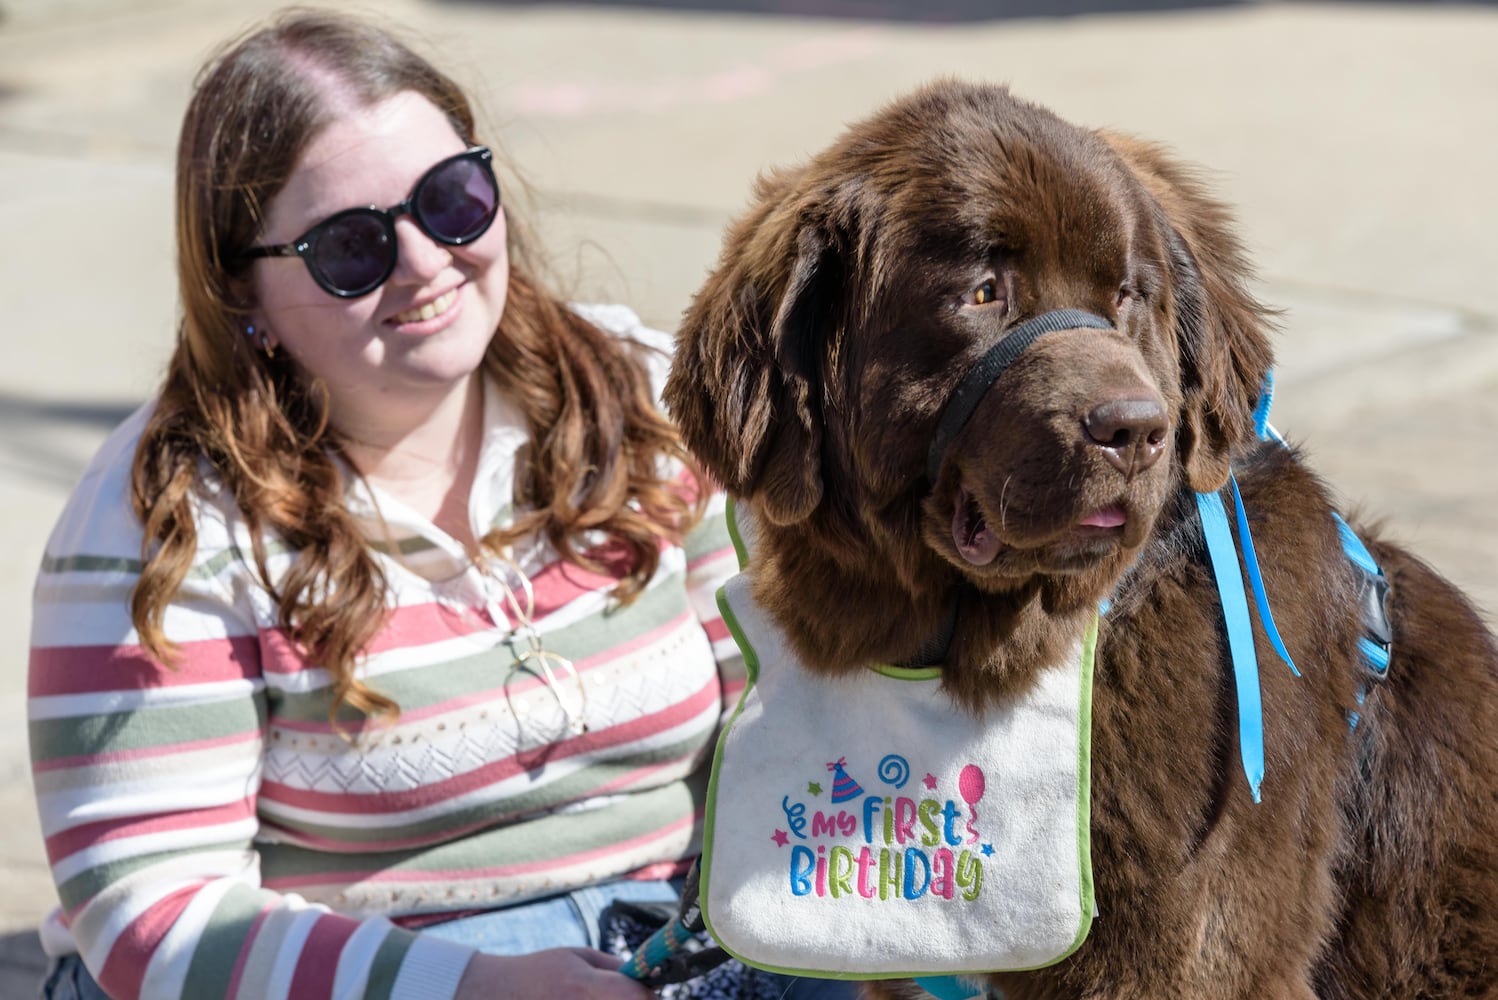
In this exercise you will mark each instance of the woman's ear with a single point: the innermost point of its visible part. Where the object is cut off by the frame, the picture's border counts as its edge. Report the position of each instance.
(1222, 332)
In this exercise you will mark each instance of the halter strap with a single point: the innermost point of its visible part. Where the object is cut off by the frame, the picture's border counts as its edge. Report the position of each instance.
(986, 371)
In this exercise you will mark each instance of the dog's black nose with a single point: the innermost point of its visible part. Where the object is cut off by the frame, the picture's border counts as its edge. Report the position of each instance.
(1131, 432)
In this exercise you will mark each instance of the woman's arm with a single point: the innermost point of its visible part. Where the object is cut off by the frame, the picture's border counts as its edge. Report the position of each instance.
(146, 778)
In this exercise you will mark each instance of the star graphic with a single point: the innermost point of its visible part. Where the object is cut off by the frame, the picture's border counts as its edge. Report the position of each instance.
(813, 788)
(988, 850)
(780, 838)
(931, 782)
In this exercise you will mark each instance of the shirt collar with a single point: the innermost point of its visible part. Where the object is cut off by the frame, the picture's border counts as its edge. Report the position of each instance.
(392, 527)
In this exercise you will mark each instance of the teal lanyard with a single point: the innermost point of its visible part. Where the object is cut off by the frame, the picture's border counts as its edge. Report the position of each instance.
(948, 988)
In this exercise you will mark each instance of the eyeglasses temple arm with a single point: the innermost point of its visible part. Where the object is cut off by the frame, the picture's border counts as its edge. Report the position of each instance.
(279, 250)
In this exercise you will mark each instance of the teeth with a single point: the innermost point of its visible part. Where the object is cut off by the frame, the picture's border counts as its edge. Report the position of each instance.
(434, 308)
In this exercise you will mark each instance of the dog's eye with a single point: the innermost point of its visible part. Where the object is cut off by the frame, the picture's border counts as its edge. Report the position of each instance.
(985, 293)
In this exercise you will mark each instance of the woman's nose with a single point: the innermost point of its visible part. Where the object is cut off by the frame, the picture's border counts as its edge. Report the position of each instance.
(418, 257)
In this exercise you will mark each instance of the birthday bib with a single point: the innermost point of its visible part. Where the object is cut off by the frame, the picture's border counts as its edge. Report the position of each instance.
(865, 827)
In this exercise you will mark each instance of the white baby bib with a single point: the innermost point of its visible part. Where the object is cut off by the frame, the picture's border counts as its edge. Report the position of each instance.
(866, 827)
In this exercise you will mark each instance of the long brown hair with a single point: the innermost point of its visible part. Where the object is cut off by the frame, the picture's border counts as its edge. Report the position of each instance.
(600, 451)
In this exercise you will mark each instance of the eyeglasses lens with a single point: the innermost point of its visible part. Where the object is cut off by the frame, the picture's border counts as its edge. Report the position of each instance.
(354, 252)
(457, 202)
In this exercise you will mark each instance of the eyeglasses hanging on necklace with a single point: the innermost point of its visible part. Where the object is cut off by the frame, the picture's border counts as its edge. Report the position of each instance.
(532, 655)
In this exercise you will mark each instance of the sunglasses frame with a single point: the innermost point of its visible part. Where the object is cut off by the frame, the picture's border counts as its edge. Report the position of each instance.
(305, 245)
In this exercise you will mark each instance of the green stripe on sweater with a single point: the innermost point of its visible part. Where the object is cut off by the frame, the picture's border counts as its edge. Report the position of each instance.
(710, 535)
(218, 949)
(91, 881)
(145, 727)
(207, 569)
(387, 964)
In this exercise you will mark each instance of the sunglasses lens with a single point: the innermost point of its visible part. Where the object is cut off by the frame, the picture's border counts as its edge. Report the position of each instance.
(458, 200)
(354, 252)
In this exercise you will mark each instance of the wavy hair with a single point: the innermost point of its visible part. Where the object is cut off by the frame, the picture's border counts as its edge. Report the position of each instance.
(600, 453)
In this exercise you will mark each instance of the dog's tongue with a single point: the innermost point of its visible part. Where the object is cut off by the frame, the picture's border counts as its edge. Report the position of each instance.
(975, 542)
(1108, 517)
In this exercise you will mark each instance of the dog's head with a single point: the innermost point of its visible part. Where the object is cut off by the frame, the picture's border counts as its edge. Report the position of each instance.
(816, 363)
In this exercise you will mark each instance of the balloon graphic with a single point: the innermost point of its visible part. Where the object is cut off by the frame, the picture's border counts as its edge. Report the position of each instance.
(970, 785)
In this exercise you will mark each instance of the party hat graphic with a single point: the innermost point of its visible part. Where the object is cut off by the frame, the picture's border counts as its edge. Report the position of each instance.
(843, 787)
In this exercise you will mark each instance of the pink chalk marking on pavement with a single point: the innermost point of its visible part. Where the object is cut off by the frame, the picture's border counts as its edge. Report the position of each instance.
(774, 70)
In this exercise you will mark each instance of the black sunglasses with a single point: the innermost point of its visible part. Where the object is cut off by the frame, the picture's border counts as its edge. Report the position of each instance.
(352, 252)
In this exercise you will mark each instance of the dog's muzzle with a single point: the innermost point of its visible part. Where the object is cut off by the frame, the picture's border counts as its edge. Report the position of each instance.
(987, 370)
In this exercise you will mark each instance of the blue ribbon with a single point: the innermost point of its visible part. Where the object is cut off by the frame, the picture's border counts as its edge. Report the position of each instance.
(1240, 636)
(1240, 629)
(1251, 563)
(1261, 409)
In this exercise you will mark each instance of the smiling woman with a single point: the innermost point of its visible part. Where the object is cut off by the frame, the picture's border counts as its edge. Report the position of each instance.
(393, 320)
(378, 653)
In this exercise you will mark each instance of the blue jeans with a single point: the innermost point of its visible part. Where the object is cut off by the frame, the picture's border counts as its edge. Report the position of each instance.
(569, 920)
(67, 979)
(574, 919)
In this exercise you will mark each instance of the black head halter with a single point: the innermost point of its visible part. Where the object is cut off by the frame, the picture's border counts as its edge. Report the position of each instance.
(986, 371)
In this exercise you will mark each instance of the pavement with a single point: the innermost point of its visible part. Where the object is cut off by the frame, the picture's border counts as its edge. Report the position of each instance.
(1359, 143)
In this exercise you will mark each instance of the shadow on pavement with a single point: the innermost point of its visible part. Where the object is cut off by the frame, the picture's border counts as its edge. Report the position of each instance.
(48, 442)
(22, 964)
(935, 11)
(923, 11)
(103, 414)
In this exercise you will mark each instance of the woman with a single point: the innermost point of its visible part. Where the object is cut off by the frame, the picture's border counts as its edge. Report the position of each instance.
(386, 633)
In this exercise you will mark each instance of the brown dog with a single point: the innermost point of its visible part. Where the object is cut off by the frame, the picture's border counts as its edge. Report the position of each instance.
(812, 373)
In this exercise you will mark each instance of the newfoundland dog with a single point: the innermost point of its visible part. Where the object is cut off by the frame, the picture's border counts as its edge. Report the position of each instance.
(924, 495)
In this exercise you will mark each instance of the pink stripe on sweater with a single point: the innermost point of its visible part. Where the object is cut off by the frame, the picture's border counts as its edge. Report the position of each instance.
(518, 687)
(435, 792)
(560, 583)
(405, 627)
(317, 966)
(725, 553)
(125, 968)
(68, 842)
(660, 871)
(732, 690)
(61, 670)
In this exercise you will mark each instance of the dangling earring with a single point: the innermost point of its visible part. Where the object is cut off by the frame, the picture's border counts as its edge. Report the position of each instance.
(264, 339)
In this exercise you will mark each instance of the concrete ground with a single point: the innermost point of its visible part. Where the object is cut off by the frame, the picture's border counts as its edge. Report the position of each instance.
(1358, 141)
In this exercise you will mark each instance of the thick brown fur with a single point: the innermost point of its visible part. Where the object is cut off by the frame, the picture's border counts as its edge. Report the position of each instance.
(810, 375)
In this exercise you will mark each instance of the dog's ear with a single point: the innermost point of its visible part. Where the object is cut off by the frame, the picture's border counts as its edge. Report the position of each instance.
(745, 386)
(1222, 331)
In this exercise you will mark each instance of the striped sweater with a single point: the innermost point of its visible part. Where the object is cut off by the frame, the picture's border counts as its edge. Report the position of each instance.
(212, 835)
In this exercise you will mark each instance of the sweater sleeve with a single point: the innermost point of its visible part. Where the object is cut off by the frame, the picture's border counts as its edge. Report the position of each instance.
(146, 777)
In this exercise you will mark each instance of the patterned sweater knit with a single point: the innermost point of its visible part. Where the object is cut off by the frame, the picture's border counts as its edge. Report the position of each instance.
(212, 834)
